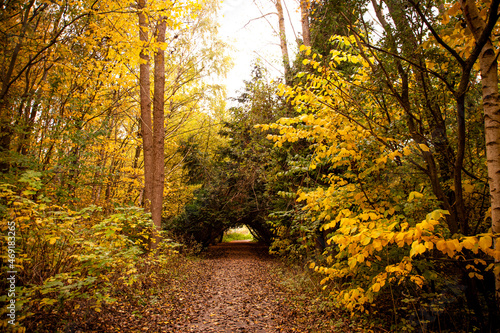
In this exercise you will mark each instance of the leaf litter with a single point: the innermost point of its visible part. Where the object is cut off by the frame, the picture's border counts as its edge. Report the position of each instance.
(233, 287)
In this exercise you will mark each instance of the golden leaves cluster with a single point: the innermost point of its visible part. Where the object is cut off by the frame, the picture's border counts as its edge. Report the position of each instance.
(371, 232)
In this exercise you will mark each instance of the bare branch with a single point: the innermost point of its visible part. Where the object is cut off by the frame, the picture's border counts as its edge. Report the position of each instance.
(258, 18)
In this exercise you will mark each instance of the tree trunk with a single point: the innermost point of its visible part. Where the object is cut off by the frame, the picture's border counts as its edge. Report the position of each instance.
(491, 105)
(283, 43)
(145, 101)
(152, 127)
(304, 19)
(158, 128)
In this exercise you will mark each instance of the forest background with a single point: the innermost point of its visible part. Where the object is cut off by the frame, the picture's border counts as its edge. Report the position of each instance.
(374, 160)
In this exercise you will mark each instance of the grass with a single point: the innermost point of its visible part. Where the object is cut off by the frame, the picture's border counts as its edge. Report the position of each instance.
(241, 233)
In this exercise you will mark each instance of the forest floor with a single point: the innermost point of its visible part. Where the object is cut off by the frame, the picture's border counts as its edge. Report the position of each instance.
(237, 293)
(233, 287)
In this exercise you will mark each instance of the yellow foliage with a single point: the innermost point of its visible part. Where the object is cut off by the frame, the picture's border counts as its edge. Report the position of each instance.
(68, 253)
(378, 230)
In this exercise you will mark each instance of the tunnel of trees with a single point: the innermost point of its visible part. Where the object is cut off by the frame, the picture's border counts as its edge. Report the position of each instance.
(233, 186)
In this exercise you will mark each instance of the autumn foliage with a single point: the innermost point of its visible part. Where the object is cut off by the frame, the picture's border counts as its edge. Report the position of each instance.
(393, 127)
(374, 162)
(71, 157)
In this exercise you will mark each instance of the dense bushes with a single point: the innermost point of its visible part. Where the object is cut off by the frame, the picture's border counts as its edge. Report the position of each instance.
(71, 260)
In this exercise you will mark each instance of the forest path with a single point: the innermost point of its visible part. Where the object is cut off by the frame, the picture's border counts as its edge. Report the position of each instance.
(233, 287)
(235, 292)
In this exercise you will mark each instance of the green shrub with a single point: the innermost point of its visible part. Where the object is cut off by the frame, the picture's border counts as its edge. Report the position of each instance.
(68, 260)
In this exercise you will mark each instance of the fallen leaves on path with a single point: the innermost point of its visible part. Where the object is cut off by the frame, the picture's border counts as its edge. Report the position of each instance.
(234, 287)
(236, 293)
(230, 289)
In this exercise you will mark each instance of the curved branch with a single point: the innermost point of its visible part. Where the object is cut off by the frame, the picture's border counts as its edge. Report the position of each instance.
(438, 38)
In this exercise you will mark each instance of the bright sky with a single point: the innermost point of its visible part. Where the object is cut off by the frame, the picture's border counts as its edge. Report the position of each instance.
(254, 38)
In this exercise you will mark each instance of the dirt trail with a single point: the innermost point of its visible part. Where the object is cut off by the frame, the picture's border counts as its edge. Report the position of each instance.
(234, 287)
(235, 293)
(231, 288)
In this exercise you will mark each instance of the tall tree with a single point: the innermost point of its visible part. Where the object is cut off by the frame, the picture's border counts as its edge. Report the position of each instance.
(145, 104)
(482, 29)
(283, 42)
(304, 19)
(158, 167)
(153, 128)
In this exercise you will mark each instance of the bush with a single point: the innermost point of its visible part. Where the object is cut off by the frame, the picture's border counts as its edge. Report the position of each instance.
(69, 260)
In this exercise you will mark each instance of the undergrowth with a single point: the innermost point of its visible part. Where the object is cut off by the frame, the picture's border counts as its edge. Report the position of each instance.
(71, 265)
(312, 306)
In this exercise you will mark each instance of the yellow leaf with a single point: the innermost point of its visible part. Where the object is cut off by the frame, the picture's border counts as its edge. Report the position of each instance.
(366, 240)
(441, 245)
(352, 262)
(453, 245)
(377, 244)
(469, 243)
(376, 287)
(360, 257)
(479, 261)
(53, 240)
(414, 195)
(400, 239)
(417, 249)
(423, 147)
(473, 274)
(417, 280)
(485, 242)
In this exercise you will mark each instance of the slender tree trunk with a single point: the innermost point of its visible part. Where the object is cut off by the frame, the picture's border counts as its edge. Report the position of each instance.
(145, 101)
(159, 128)
(283, 43)
(152, 128)
(491, 105)
(101, 164)
(304, 18)
(135, 164)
